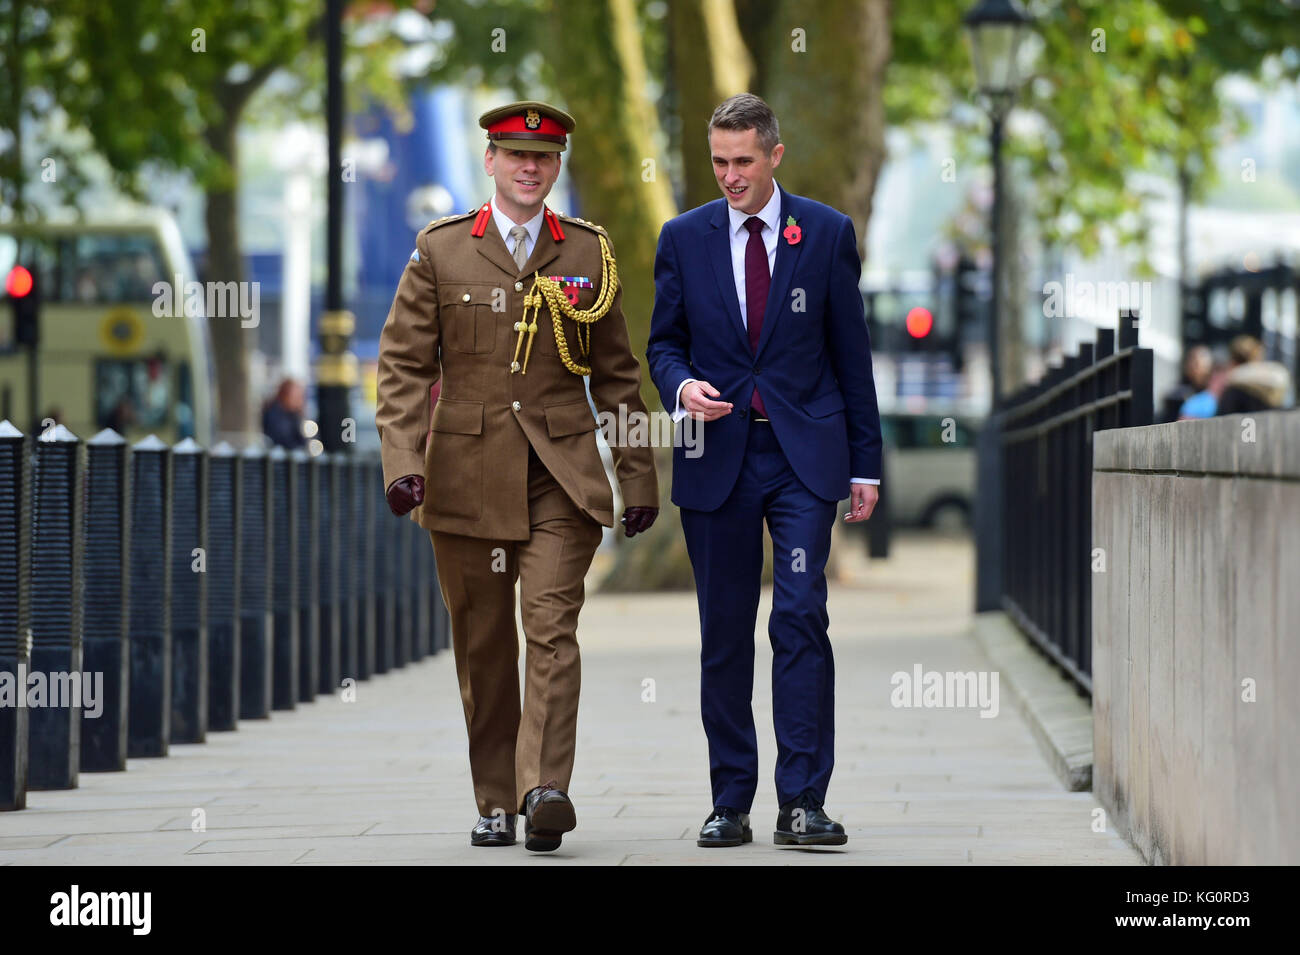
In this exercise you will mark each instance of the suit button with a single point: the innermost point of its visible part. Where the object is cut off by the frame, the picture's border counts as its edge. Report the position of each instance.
(465, 297)
(516, 405)
(757, 370)
(741, 412)
(519, 286)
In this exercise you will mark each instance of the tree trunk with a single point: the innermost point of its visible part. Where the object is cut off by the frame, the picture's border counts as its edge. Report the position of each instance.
(710, 62)
(14, 120)
(613, 153)
(229, 337)
(756, 27)
(826, 85)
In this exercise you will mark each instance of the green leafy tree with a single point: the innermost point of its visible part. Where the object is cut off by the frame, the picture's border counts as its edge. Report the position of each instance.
(167, 85)
(1117, 89)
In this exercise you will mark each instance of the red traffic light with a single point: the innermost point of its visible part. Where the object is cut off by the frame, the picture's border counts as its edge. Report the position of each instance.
(919, 322)
(19, 283)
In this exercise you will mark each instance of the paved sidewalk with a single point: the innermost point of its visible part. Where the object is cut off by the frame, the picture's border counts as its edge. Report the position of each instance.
(385, 779)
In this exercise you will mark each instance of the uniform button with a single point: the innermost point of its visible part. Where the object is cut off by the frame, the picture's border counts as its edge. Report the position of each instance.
(519, 286)
(516, 405)
(465, 297)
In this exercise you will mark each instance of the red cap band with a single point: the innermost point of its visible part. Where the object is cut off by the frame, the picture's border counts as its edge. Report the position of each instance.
(518, 124)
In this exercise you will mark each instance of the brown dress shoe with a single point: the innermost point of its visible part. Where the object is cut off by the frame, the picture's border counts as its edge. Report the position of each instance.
(548, 814)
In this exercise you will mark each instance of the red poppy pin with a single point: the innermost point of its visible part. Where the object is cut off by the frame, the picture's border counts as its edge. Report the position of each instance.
(792, 231)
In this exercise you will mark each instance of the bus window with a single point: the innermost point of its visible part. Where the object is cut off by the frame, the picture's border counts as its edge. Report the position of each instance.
(132, 394)
(8, 259)
(105, 269)
(184, 401)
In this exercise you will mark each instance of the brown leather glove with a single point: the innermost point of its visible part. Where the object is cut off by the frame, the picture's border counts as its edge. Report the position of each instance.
(638, 519)
(405, 493)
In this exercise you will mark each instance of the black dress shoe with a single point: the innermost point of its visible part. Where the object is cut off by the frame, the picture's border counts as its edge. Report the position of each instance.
(803, 822)
(726, 827)
(548, 815)
(493, 831)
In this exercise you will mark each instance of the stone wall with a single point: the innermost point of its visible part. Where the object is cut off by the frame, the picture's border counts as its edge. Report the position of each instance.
(1196, 637)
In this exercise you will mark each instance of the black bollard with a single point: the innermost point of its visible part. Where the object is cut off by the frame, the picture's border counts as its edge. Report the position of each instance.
(382, 586)
(307, 594)
(15, 514)
(442, 604)
(421, 644)
(149, 723)
(402, 574)
(363, 514)
(222, 555)
(106, 615)
(429, 575)
(327, 550)
(189, 593)
(345, 528)
(254, 587)
(55, 678)
(284, 582)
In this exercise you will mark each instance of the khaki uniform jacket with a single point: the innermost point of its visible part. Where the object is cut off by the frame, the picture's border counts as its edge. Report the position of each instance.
(453, 318)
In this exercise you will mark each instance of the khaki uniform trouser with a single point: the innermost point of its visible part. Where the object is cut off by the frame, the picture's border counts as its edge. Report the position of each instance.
(510, 753)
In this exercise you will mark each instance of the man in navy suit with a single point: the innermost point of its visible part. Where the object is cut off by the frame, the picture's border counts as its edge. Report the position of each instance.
(759, 332)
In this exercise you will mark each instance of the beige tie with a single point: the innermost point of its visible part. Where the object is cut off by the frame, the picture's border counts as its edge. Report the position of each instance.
(520, 235)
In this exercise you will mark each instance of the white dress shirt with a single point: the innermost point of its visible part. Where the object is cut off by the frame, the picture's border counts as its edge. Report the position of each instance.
(505, 224)
(771, 216)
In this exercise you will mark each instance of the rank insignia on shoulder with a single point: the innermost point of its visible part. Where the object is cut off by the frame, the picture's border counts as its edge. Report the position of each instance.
(415, 255)
(594, 226)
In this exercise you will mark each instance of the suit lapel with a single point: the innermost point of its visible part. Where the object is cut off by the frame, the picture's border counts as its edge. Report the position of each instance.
(718, 241)
(787, 256)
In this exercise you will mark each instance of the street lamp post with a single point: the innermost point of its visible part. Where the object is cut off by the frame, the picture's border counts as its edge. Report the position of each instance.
(995, 28)
(336, 366)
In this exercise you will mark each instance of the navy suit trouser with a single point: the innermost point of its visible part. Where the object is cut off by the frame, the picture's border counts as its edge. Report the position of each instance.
(726, 551)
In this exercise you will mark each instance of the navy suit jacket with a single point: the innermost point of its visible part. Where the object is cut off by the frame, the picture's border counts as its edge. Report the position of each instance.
(812, 367)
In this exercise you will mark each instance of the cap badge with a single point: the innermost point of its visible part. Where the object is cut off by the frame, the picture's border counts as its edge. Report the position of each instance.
(532, 119)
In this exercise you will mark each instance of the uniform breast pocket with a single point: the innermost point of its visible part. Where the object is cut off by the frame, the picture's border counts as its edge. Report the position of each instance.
(470, 315)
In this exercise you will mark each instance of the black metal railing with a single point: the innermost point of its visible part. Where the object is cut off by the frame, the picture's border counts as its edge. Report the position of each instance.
(176, 590)
(1047, 433)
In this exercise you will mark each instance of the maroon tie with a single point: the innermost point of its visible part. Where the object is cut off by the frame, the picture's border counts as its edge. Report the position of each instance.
(757, 282)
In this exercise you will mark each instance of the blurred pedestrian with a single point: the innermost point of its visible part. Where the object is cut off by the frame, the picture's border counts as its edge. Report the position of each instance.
(1254, 383)
(1205, 403)
(282, 415)
(1197, 362)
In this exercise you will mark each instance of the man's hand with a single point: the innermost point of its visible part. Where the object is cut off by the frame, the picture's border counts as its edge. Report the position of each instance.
(862, 502)
(696, 400)
(405, 493)
(638, 519)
